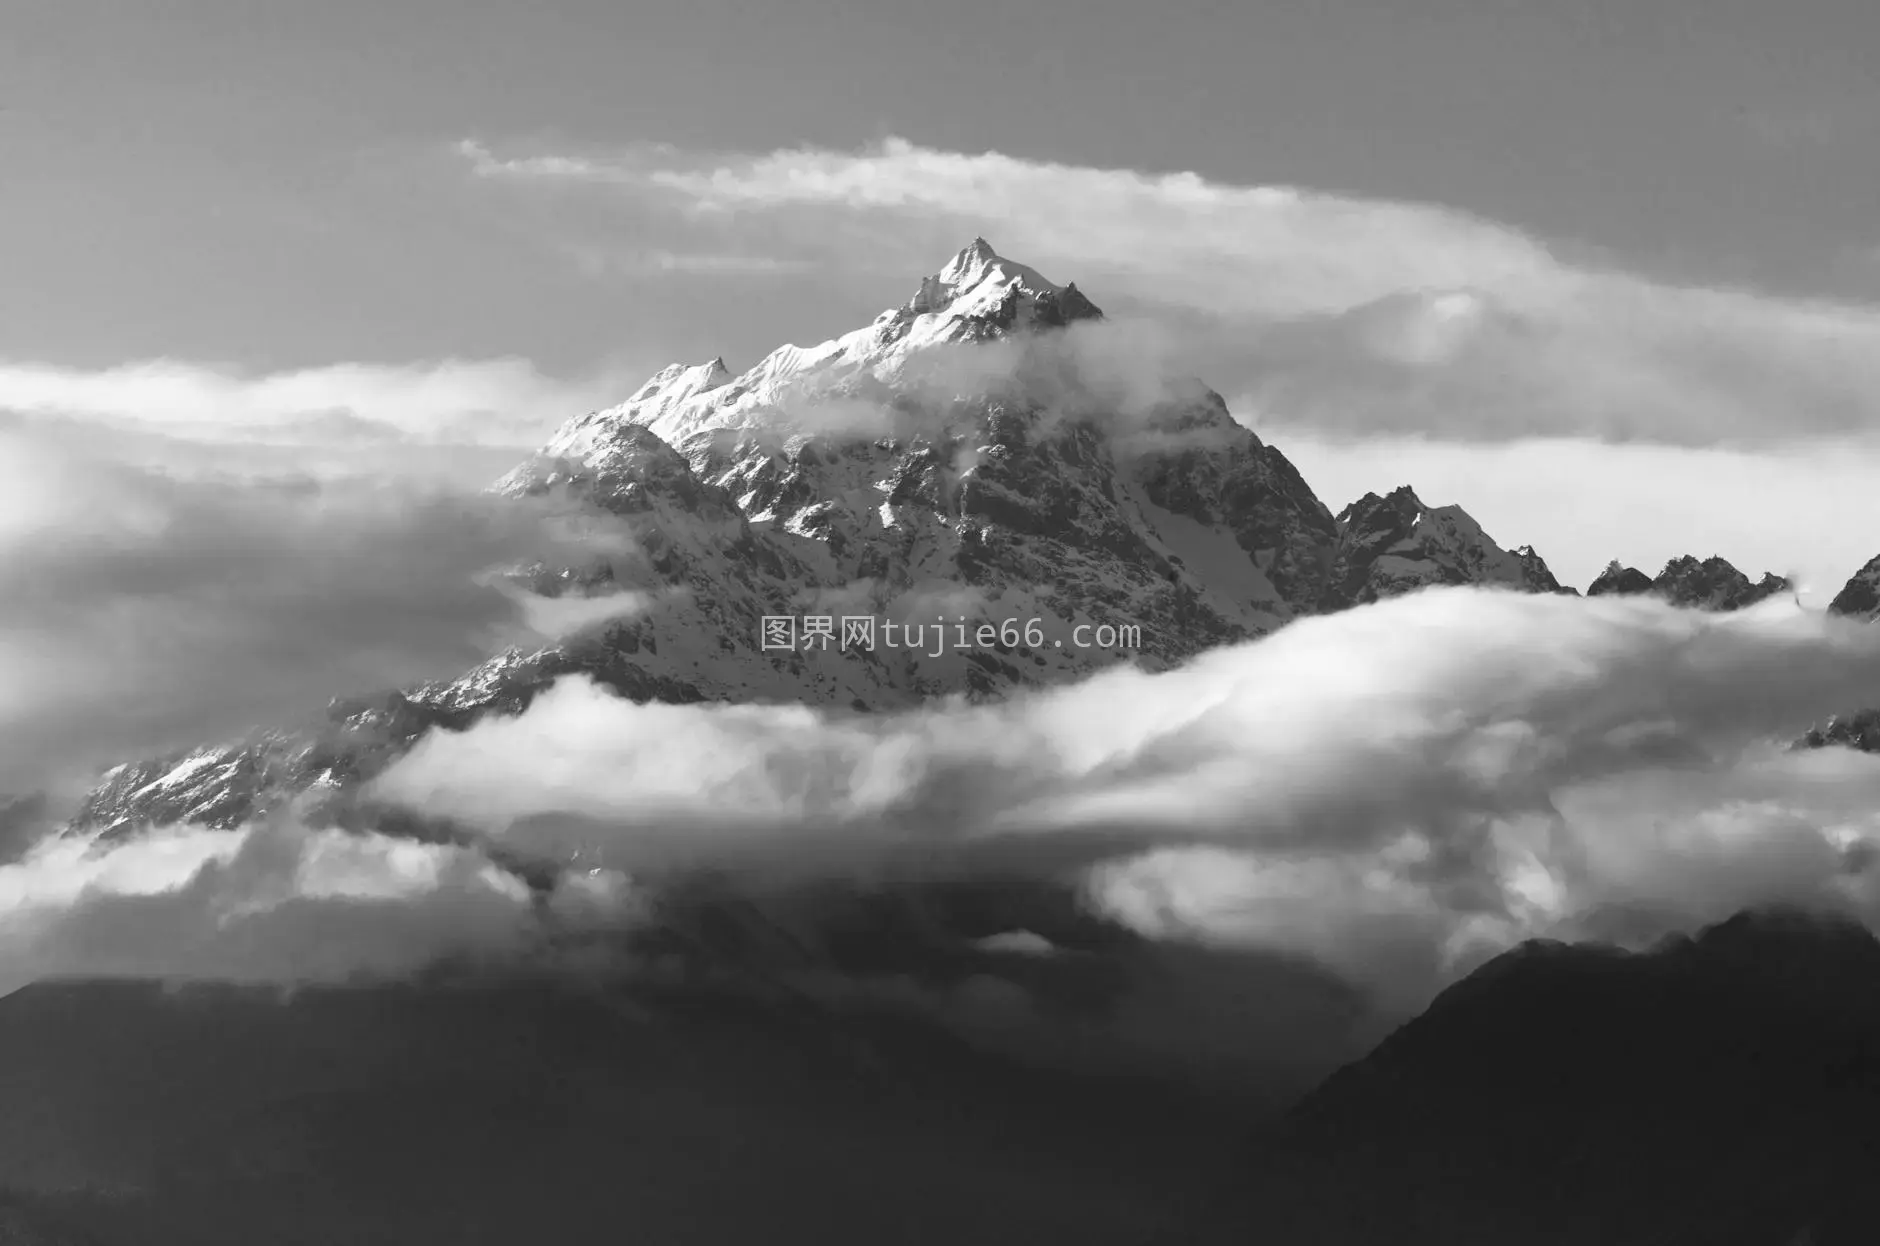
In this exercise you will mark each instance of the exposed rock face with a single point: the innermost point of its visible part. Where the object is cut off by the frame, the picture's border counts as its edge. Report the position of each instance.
(956, 464)
(223, 786)
(1620, 581)
(1860, 730)
(1395, 544)
(1860, 596)
(1859, 599)
(1712, 584)
(1536, 575)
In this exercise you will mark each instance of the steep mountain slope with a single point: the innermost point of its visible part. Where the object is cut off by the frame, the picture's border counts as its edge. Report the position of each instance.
(1713, 584)
(1860, 596)
(1621, 580)
(1722, 1090)
(970, 460)
(1858, 599)
(1395, 544)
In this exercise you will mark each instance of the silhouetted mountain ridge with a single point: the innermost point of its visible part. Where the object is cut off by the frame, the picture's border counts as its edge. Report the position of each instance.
(1720, 1090)
(1710, 584)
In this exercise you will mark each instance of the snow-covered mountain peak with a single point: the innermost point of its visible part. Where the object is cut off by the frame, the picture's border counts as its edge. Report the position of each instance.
(978, 282)
(672, 389)
(930, 467)
(972, 265)
(622, 468)
(977, 296)
(684, 380)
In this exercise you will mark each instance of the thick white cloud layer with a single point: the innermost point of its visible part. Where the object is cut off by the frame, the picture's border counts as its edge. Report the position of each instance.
(1388, 795)
(1414, 782)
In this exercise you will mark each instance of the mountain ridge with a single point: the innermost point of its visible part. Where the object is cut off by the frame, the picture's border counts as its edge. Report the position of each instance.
(1716, 1089)
(1710, 584)
(964, 457)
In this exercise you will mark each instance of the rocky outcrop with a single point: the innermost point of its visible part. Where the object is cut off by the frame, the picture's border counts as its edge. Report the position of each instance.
(1619, 581)
(1538, 577)
(1860, 596)
(1395, 544)
(1858, 599)
(1713, 584)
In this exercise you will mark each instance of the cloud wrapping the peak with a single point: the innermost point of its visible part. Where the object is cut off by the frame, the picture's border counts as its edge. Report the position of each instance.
(1328, 311)
(1393, 792)
(1075, 215)
(144, 609)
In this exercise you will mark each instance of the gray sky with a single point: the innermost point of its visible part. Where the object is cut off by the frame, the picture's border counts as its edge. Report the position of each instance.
(1663, 213)
(263, 182)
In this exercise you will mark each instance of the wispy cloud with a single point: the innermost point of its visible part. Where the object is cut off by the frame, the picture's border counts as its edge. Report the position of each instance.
(1118, 217)
(1333, 310)
(485, 163)
(600, 261)
(499, 401)
(144, 608)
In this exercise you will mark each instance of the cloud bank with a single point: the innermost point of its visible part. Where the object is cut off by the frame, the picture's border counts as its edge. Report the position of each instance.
(274, 905)
(499, 402)
(1422, 780)
(1379, 799)
(1347, 814)
(1329, 312)
(144, 608)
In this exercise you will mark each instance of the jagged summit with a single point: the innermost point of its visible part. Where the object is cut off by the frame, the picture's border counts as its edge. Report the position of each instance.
(1395, 543)
(977, 296)
(1712, 584)
(1619, 580)
(979, 283)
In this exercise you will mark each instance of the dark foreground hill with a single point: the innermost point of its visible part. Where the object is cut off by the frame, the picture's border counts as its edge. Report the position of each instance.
(132, 1116)
(1721, 1091)
(1716, 1091)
